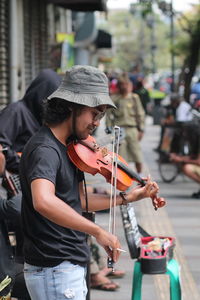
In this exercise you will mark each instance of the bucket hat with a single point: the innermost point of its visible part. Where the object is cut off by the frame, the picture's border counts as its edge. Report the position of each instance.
(84, 85)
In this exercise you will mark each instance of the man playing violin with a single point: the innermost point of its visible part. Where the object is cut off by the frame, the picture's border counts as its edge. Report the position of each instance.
(55, 248)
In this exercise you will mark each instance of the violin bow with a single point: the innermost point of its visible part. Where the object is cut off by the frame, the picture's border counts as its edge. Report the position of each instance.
(113, 191)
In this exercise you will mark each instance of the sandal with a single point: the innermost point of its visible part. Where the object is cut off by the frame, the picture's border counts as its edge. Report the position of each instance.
(109, 273)
(116, 274)
(196, 195)
(107, 286)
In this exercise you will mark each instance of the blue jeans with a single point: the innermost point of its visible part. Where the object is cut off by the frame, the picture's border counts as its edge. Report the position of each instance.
(65, 281)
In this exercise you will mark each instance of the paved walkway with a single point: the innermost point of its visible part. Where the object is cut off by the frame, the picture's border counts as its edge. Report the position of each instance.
(180, 218)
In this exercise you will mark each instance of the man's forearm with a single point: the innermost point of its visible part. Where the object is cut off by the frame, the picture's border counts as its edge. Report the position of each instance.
(62, 214)
(100, 202)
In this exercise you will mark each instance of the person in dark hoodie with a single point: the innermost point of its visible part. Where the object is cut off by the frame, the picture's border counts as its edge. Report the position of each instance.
(18, 122)
(11, 269)
(21, 119)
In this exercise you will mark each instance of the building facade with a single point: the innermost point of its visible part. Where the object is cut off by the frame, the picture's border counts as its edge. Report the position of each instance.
(30, 32)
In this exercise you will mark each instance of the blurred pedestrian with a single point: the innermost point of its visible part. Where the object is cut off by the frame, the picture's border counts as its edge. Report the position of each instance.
(135, 75)
(196, 90)
(195, 95)
(143, 93)
(190, 167)
(11, 259)
(176, 114)
(183, 108)
(130, 116)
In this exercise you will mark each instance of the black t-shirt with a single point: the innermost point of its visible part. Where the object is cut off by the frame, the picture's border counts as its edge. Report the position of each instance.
(46, 243)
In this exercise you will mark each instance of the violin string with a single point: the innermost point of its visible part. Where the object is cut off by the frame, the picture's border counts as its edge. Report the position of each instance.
(111, 189)
(113, 195)
(116, 152)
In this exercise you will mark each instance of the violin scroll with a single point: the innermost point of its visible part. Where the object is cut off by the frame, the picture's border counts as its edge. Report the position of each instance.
(158, 202)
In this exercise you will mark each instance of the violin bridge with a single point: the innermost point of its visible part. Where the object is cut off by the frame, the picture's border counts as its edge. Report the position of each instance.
(104, 151)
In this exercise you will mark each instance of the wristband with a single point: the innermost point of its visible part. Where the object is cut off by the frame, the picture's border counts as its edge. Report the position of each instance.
(123, 195)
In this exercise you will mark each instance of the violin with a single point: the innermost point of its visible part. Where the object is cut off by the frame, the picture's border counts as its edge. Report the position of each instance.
(89, 157)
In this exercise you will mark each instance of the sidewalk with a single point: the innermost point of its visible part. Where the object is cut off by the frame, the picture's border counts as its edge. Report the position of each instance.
(180, 218)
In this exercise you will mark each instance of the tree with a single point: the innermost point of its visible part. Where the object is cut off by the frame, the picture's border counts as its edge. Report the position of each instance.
(190, 47)
(127, 44)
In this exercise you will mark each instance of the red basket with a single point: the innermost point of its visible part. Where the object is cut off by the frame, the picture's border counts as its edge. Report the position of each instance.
(155, 252)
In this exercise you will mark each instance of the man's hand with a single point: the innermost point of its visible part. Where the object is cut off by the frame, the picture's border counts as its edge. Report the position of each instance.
(149, 190)
(140, 135)
(110, 243)
(185, 159)
(176, 158)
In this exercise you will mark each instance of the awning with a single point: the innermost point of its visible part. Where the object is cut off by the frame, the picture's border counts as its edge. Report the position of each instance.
(81, 5)
(103, 40)
(86, 31)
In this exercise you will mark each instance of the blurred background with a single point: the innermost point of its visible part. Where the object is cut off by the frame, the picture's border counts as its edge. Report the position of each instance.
(157, 43)
(159, 40)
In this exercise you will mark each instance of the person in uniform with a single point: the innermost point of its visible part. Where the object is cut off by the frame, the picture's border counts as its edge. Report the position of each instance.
(130, 116)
